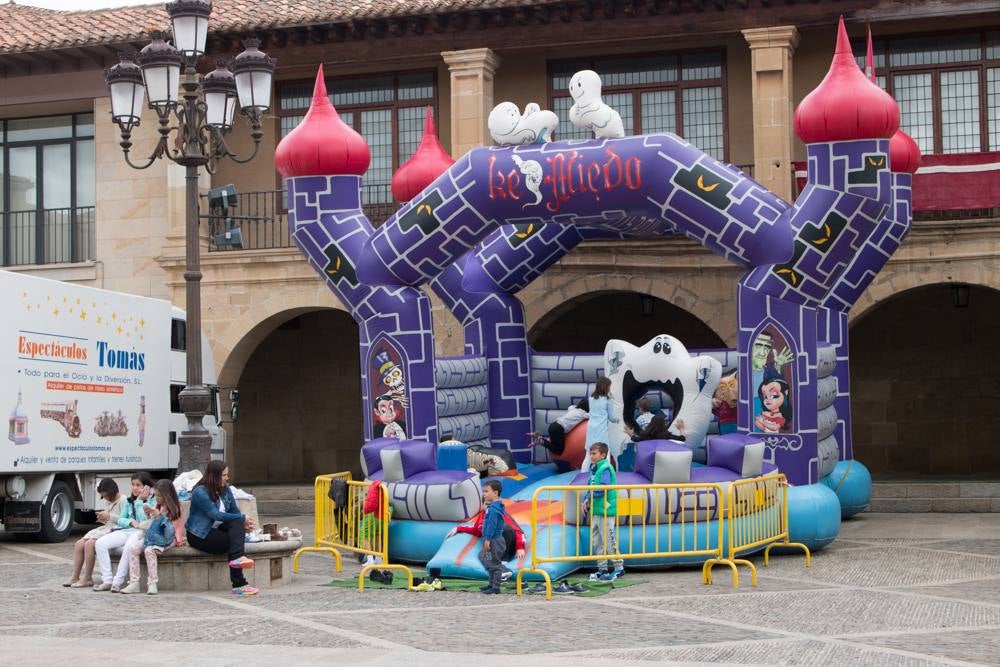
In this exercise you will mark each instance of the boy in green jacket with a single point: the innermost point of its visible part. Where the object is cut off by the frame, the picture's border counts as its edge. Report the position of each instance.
(603, 514)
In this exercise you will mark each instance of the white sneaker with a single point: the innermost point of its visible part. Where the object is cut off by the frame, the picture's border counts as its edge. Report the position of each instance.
(132, 588)
(151, 589)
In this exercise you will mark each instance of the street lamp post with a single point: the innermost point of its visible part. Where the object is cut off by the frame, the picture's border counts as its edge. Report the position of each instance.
(203, 116)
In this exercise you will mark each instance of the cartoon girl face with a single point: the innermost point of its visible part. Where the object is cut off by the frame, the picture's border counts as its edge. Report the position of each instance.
(772, 397)
(385, 411)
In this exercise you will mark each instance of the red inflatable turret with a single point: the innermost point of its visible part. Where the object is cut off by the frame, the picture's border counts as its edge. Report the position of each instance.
(846, 106)
(428, 162)
(904, 154)
(322, 145)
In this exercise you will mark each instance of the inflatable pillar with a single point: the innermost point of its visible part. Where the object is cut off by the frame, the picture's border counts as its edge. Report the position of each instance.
(322, 160)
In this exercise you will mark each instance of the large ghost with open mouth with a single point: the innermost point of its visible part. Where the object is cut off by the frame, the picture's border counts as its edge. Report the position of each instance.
(665, 364)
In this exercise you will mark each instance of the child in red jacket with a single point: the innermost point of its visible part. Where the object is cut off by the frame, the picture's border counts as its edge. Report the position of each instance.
(476, 530)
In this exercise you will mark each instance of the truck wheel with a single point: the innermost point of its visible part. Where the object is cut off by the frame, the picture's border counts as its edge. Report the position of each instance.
(57, 514)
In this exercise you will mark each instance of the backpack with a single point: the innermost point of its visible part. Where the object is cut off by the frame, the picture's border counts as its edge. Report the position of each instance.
(510, 540)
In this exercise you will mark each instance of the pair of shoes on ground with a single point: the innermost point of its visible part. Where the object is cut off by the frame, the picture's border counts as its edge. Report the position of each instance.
(244, 591)
(241, 563)
(566, 587)
(604, 575)
(489, 590)
(381, 576)
(134, 587)
(429, 584)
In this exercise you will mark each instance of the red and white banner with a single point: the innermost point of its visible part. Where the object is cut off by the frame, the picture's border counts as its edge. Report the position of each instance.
(955, 181)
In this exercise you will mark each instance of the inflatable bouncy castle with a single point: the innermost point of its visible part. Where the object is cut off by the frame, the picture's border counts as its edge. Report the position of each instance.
(478, 230)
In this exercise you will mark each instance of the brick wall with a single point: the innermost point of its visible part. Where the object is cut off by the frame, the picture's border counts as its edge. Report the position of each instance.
(906, 425)
(299, 402)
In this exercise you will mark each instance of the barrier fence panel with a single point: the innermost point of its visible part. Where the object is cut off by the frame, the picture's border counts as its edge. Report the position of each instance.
(653, 521)
(757, 516)
(346, 526)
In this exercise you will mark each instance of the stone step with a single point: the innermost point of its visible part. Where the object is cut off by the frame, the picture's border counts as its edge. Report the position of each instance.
(284, 507)
(282, 499)
(927, 496)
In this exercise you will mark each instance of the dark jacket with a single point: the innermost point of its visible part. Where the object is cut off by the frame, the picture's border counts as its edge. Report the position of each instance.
(204, 512)
(493, 520)
(656, 430)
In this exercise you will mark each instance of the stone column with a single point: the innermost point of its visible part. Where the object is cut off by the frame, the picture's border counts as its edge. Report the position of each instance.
(471, 97)
(771, 52)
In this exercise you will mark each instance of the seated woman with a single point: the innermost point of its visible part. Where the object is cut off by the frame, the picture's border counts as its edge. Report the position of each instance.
(215, 524)
(657, 430)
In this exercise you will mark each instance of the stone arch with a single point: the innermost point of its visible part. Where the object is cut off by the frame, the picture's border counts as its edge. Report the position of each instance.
(709, 296)
(584, 322)
(900, 276)
(925, 382)
(295, 420)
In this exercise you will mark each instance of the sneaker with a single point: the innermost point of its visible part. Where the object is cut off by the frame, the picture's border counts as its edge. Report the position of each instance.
(437, 585)
(241, 563)
(100, 588)
(537, 588)
(151, 589)
(505, 576)
(608, 576)
(243, 591)
(490, 590)
(619, 573)
(599, 575)
(386, 577)
(116, 588)
(563, 588)
(375, 576)
(132, 588)
(423, 587)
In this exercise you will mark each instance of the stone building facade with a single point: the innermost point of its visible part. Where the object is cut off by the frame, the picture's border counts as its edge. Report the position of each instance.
(725, 74)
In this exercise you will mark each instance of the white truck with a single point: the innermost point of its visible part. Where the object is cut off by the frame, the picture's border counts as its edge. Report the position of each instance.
(90, 378)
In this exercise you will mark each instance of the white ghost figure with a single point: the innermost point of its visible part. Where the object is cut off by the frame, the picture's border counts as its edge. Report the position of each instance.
(665, 364)
(532, 171)
(509, 127)
(589, 111)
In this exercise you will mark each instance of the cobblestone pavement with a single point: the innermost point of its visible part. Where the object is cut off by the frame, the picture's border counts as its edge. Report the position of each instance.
(892, 590)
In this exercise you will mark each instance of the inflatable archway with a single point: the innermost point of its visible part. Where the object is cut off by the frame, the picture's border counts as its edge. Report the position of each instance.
(478, 230)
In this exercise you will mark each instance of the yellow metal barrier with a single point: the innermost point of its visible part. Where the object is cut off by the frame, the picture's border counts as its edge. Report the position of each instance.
(757, 515)
(654, 521)
(347, 527)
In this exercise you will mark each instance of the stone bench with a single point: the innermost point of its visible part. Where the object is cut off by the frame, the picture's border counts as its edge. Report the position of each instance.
(187, 569)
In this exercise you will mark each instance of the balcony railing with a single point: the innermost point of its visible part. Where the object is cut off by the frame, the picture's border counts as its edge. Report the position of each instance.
(262, 217)
(48, 236)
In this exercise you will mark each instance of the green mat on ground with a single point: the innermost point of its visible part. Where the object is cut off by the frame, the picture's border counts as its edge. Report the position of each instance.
(590, 588)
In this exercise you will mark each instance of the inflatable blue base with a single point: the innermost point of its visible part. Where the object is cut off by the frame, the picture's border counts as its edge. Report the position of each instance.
(852, 483)
(813, 515)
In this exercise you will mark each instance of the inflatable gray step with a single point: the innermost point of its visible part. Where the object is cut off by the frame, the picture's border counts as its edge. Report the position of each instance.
(461, 400)
(826, 422)
(826, 391)
(828, 452)
(466, 428)
(451, 372)
(826, 360)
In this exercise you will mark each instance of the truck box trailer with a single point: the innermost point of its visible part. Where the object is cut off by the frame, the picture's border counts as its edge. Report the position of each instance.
(90, 379)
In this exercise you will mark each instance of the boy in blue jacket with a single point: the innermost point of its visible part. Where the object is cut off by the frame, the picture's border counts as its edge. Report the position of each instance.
(494, 545)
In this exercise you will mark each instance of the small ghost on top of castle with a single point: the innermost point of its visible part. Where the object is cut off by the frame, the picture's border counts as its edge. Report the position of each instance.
(509, 127)
(589, 110)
